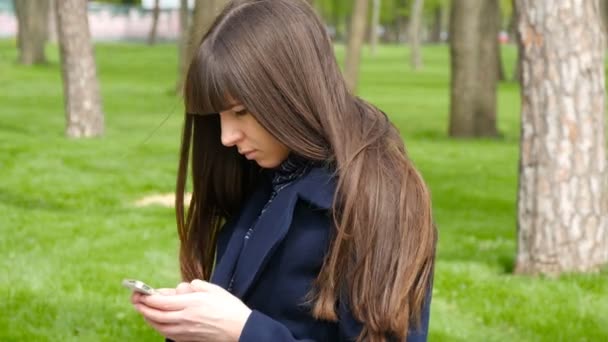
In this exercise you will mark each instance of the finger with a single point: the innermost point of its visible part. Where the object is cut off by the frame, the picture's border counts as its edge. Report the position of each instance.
(202, 286)
(135, 297)
(183, 288)
(170, 303)
(166, 292)
(159, 316)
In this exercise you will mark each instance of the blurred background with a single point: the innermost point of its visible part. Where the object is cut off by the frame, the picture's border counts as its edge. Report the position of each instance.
(501, 105)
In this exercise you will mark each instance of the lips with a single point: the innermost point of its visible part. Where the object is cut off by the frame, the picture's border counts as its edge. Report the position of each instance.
(247, 154)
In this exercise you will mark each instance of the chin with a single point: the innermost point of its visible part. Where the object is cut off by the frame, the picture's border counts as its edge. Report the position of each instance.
(268, 164)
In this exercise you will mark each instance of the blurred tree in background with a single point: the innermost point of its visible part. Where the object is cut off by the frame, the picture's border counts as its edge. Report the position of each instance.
(84, 116)
(474, 31)
(414, 34)
(355, 42)
(32, 31)
(153, 29)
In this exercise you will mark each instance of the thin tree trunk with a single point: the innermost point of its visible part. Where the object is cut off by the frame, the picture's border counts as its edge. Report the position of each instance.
(52, 28)
(32, 31)
(355, 42)
(487, 81)
(437, 24)
(84, 117)
(500, 68)
(414, 34)
(154, 28)
(473, 39)
(563, 190)
(373, 38)
(464, 37)
(182, 51)
(513, 33)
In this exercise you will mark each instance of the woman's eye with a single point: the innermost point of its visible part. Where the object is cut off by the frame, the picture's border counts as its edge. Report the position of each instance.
(241, 112)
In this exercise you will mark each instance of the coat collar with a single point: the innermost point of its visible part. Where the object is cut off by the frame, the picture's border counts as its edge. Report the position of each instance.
(316, 187)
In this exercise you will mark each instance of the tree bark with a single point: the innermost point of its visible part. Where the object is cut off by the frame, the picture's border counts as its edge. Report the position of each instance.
(84, 117)
(32, 31)
(373, 38)
(473, 39)
(154, 28)
(355, 43)
(414, 34)
(563, 190)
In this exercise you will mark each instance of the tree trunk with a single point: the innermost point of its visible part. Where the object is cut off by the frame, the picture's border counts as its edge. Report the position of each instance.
(154, 28)
(500, 68)
(52, 27)
(182, 51)
(32, 31)
(513, 33)
(205, 12)
(464, 37)
(373, 38)
(563, 195)
(414, 34)
(355, 42)
(473, 31)
(81, 90)
(485, 113)
(437, 24)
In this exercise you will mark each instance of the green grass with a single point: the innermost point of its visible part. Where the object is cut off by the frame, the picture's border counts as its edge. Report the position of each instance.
(69, 231)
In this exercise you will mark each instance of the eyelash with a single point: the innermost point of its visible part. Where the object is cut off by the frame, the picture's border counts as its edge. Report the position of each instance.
(241, 112)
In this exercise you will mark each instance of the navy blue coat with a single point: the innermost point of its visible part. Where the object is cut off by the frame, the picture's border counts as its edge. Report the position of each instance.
(278, 265)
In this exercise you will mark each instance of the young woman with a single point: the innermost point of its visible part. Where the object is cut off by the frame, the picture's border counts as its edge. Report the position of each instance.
(307, 221)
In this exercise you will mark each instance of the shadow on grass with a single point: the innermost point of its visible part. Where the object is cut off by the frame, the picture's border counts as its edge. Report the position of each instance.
(23, 201)
(443, 336)
(507, 263)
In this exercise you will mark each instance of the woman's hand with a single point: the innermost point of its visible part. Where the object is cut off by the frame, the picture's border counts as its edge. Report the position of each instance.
(198, 311)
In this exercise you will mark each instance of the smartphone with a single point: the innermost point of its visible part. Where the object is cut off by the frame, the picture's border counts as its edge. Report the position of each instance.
(138, 286)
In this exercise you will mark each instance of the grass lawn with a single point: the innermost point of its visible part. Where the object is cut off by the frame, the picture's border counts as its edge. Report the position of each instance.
(69, 231)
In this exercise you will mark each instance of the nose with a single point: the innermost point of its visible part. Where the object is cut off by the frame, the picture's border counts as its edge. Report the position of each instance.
(231, 133)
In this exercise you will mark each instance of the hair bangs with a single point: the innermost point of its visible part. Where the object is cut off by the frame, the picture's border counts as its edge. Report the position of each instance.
(207, 84)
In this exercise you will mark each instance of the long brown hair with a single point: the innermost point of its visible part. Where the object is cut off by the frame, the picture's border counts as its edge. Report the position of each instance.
(276, 58)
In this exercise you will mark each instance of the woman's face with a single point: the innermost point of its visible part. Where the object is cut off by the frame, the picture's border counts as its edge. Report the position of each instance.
(241, 129)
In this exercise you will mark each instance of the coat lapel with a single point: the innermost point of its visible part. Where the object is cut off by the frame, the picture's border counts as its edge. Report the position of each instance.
(316, 187)
(269, 231)
(231, 237)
